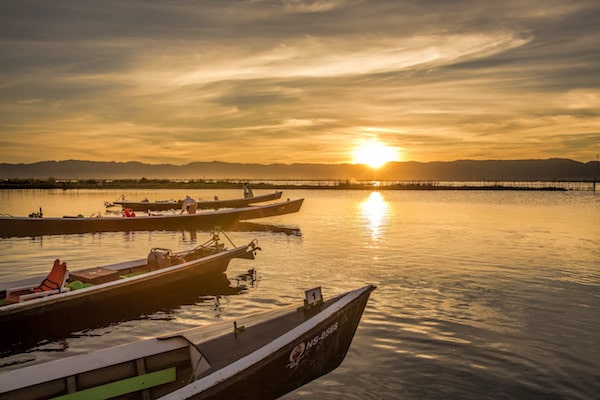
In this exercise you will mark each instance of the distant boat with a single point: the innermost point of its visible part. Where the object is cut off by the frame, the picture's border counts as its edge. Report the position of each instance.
(262, 356)
(112, 292)
(164, 205)
(37, 226)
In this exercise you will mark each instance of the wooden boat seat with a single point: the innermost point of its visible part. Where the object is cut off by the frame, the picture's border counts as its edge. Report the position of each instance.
(53, 283)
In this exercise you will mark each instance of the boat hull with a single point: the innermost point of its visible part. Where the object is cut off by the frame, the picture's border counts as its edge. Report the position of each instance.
(57, 316)
(201, 204)
(273, 376)
(23, 226)
(279, 351)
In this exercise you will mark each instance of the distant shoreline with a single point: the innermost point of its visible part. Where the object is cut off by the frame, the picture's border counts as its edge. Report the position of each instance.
(550, 170)
(297, 184)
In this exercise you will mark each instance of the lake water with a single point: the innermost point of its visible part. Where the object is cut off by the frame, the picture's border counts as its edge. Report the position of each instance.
(480, 294)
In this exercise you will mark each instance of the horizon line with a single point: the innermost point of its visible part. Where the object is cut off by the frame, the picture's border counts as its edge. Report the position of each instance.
(306, 163)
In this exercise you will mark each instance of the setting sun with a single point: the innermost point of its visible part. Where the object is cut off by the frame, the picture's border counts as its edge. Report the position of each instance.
(374, 154)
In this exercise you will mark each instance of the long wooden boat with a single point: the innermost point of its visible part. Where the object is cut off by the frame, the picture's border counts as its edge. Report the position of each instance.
(32, 226)
(96, 296)
(201, 204)
(262, 356)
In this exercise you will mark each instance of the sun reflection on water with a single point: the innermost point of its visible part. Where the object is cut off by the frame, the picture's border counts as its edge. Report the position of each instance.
(375, 210)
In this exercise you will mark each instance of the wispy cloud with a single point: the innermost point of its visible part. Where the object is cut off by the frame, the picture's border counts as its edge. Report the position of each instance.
(298, 81)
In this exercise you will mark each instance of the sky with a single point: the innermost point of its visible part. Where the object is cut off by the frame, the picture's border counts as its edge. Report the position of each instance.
(295, 81)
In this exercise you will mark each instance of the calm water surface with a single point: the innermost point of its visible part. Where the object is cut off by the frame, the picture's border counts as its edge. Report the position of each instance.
(492, 295)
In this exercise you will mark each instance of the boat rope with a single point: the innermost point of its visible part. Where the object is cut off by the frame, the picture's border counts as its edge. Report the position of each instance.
(230, 241)
(195, 368)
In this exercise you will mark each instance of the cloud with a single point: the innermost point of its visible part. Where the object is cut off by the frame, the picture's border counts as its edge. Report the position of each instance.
(270, 81)
(30, 101)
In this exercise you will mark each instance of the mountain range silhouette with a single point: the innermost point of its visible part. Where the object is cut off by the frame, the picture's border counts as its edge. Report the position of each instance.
(460, 170)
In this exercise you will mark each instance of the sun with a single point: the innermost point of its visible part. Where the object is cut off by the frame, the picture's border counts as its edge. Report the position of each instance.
(374, 154)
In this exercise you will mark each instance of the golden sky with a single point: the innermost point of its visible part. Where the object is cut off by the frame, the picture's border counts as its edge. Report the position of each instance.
(294, 81)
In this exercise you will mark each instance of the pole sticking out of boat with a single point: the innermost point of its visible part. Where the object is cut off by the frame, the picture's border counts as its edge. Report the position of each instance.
(237, 329)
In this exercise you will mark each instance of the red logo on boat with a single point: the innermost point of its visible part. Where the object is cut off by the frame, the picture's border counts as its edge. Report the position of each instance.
(296, 355)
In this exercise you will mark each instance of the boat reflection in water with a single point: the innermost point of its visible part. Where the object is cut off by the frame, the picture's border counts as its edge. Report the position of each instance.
(207, 289)
(247, 279)
(375, 209)
(258, 227)
(245, 227)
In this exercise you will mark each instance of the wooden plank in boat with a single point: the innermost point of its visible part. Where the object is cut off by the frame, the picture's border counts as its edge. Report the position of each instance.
(95, 275)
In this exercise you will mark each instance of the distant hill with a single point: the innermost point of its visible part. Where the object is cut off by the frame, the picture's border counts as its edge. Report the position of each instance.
(462, 170)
